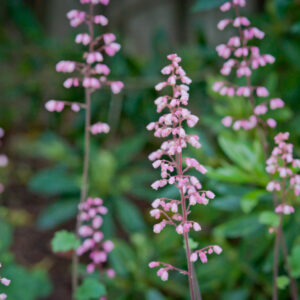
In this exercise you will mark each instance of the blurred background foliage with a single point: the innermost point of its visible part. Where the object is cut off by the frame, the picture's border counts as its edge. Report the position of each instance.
(45, 151)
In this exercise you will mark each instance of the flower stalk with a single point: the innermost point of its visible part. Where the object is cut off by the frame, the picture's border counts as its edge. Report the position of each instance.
(174, 171)
(244, 59)
(92, 77)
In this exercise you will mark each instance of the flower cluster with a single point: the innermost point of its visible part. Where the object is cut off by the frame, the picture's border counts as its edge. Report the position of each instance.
(91, 212)
(243, 58)
(5, 282)
(283, 167)
(3, 159)
(92, 72)
(173, 165)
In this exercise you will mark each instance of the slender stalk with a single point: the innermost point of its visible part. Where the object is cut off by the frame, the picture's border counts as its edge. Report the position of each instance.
(293, 285)
(86, 160)
(191, 273)
(85, 176)
(276, 262)
(264, 142)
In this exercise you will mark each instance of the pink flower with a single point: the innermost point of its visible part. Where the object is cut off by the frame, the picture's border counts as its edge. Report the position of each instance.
(112, 49)
(83, 38)
(169, 159)
(261, 109)
(102, 20)
(284, 209)
(218, 250)
(194, 257)
(227, 121)
(225, 7)
(102, 69)
(223, 24)
(53, 105)
(94, 57)
(271, 123)
(109, 38)
(75, 107)
(276, 103)
(5, 281)
(262, 92)
(100, 128)
(154, 264)
(91, 82)
(108, 246)
(111, 273)
(66, 66)
(203, 257)
(117, 87)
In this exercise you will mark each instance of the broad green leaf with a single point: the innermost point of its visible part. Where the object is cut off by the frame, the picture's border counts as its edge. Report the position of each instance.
(232, 174)
(226, 203)
(54, 181)
(90, 289)
(122, 259)
(202, 5)
(26, 285)
(129, 215)
(247, 155)
(295, 261)
(64, 241)
(282, 282)
(250, 200)
(154, 295)
(57, 213)
(103, 172)
(269, 218)
(129, 149)
(238, 227)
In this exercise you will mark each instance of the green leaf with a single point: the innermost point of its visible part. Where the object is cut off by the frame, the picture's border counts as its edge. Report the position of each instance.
(6, 234)
(269, 218)
(53, 181)
(64, 241)
(295, 261)
(129, 215)
(239, 227)
(129, 149)
(250, 200)
(154, 295)
(26, 285)
(90, 289)
(232, 174)
(57, 213)
(245, 154)
(103, 180)
(122, 259)
(202, 5)
(227, 203)
(282, 282)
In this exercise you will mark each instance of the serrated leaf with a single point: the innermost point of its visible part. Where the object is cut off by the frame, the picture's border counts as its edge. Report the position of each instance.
(90, 289)
(282, 282)
(64, 241)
